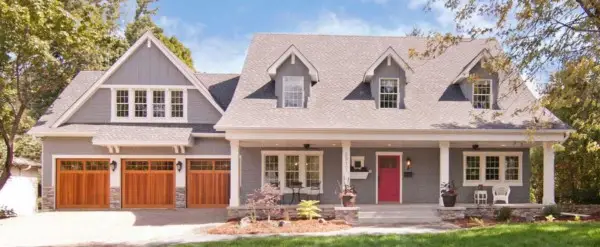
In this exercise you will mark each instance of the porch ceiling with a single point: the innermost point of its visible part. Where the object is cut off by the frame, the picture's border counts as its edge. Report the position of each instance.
(382, 144)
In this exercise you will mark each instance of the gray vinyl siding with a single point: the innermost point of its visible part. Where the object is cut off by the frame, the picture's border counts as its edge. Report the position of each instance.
(422, 187)
(147, 66)
(200, 110)
(465, 194)
(95, 110)
(83, 146)
(467, 87)
(289, 69)
(385, 71)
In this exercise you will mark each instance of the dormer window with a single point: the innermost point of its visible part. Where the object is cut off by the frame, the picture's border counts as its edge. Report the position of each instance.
(293, 91)
(388, 92)
(482, 94)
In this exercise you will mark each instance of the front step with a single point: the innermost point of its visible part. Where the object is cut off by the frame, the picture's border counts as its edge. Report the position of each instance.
(398, 214)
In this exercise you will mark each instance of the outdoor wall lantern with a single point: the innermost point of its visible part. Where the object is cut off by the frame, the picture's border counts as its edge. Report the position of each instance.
(113, 165)
(408, 163)
(179, 166)
(408, 172)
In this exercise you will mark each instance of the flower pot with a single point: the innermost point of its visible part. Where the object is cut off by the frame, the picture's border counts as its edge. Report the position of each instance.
(449, 200)
(348, 201)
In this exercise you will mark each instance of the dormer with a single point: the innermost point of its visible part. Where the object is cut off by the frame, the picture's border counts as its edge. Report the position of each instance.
(388, 77)
(479, 85)
(293, 75)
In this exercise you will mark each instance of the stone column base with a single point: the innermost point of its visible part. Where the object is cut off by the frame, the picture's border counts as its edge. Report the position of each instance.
(349, 214)
(180, 197)
(48, 198)
(115, 197)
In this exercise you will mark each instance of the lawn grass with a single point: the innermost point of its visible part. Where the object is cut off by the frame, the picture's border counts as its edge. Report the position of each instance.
(541, 234)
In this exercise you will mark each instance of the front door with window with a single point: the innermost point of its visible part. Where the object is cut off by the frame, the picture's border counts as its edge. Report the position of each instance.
(389, 178)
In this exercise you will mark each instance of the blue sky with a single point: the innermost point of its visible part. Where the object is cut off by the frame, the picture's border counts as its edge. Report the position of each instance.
(218, 32)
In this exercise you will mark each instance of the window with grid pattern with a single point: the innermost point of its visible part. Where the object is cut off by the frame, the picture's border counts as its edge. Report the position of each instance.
(292, 170)
(177, 104)
(158, 103)
(122, 103)
(222, 165)
(272, 169)
(202, 165)
(140, 103)
(512, 168)
(136, 165)
(492, 168)
(96, 165)
(388, 93)
(71, 165)
(472, 170)
(482, 94)
(161, 165)
(312, 171)
(293, 91)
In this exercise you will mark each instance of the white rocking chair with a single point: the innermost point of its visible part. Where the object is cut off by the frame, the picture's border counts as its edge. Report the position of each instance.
(500, 193)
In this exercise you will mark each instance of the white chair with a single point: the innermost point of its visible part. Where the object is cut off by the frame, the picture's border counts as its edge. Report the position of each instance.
(500, 193)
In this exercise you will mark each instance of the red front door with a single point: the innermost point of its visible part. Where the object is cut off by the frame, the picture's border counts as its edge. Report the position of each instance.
(389, 178)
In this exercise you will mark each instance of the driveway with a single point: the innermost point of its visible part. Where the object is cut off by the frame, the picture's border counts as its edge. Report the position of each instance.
(106, 227)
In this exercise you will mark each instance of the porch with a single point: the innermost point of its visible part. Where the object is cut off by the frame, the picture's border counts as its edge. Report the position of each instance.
(410, 172)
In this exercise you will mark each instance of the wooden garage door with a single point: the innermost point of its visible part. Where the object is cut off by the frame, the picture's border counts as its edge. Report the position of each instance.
(208, 183)
(148, 183)
(82, 183)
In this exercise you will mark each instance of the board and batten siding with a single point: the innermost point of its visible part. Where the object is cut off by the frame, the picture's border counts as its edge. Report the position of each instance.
(83, 146)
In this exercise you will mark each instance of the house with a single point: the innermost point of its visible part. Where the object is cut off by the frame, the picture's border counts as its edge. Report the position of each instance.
(151, 133)
(20, 193)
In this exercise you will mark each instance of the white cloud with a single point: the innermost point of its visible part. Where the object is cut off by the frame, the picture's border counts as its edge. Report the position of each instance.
(332, 23)
(445, 17)
(382, 2)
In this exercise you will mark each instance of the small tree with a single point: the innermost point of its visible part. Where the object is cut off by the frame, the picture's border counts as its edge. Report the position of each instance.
(309, 209)
(266, 199)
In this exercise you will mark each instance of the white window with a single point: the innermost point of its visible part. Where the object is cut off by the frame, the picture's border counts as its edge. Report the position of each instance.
(388, 92)
(155, 104)
(491, 168)
(122, 103)
(158, 103)
(177, 104)
(286, 168)
(482, 94)
(358, 162)
(293, 91)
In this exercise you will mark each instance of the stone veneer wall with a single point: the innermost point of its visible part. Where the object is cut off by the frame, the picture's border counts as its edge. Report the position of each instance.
(115, 197)
(180, 197)
(451, 213)
(236, 213)
(349, 214)
(48, 198)
(581, 208)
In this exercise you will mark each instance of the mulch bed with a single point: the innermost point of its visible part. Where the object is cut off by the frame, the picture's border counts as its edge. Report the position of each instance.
(469, 223)
(265, 227)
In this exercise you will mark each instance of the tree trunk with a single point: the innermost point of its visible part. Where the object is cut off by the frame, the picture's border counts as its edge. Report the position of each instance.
(5, 171)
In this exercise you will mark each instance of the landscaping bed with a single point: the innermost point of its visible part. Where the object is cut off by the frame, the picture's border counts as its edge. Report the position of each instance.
(272, 227)
(482, 222)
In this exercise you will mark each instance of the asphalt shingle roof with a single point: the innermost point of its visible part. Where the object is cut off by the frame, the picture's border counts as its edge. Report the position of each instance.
(112, 134)
(221, 86)
(336, 101)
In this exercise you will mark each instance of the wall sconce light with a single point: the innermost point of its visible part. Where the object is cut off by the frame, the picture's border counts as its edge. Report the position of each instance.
(408, 163)
(179, 166)
(113, 165)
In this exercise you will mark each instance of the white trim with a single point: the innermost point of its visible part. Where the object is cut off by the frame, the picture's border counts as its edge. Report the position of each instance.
(125, 156)
(389, 53)
(281, 166)
(501, 169)
(149, 37)
(491, 95)
(143, 143)
(292, 79)
(377, 154)
(209, 135)
(122, 86)
(483, 54)
(131, 118)
(358, 158)
(397, 92)
(312, 71)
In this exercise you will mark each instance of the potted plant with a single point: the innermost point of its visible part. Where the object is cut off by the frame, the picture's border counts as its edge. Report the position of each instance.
(449, 194)
(347, 194)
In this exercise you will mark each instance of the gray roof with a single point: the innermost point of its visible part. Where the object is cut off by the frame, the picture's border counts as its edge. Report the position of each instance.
(341, 62)
(22, 161)
(221, 86)
(112, 135)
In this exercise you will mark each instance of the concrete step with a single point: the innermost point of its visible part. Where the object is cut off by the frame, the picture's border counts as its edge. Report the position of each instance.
(399, 220)
(396, 215)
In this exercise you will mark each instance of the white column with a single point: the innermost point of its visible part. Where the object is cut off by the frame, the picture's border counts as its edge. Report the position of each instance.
(548, 197)
(234, 186)
(180, 175)
(444, 164)
(115, 176)
(346, 162)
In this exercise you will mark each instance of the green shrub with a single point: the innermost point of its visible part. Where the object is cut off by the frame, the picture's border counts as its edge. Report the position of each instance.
(504, 214)
(553, 210)
(309, 209)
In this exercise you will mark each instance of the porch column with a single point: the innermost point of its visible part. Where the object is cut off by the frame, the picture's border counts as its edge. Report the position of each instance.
(234, 184)
(444, 165)
(346, 162)
(548, 197)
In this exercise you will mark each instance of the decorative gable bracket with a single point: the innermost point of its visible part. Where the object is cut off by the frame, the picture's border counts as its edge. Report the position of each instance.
(295, 54)
(387, 57)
